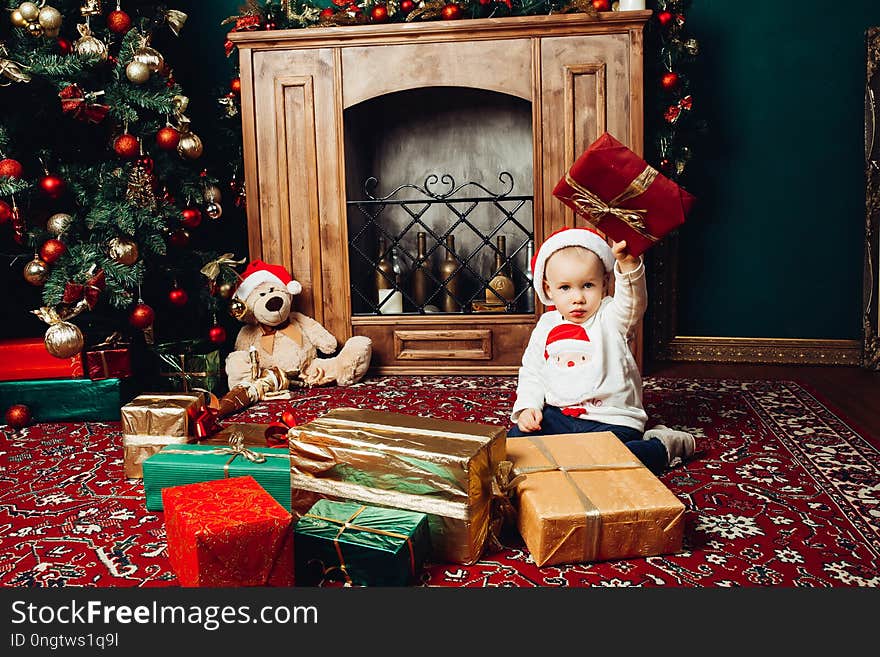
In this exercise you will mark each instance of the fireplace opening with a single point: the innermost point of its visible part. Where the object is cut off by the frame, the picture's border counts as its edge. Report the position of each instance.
(439, 202)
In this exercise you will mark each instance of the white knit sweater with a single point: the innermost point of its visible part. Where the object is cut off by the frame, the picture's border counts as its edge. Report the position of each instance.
(609, 387)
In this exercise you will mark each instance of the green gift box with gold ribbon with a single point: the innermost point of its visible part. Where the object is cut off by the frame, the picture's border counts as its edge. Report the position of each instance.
(188, 365)
(175, 465)
(359, 544)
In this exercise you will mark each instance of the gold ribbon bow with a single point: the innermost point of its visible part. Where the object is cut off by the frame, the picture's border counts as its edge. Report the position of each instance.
(212, 268)
(175, 20)
(52, 316)
(502, 512)
(591, 512)
(11, 70)
(347, 524)
(594, 208)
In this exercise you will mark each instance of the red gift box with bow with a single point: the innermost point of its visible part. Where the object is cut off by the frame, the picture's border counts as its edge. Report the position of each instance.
(619, 193)
(228, 532)
(111, 359)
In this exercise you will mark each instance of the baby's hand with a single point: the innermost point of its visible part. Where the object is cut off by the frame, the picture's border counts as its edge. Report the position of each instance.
(529, 420)
(625, 261)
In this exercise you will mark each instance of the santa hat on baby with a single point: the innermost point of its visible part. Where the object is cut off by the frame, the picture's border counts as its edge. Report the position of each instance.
(259, 272)
(585, 237)
(567, 338)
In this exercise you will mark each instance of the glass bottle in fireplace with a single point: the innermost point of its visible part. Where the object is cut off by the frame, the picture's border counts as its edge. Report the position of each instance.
(384, 268)
(501, 290)
(529, 295)
(449, 270)
(421, 276)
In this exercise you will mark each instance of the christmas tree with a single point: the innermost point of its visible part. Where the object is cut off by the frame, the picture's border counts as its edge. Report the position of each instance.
(101, 185)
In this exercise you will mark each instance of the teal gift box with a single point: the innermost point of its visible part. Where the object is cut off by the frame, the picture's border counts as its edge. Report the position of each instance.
(176, 465)
(69, 400)
(364, 545)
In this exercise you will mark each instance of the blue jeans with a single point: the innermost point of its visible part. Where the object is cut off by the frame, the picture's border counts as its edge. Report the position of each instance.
(652, 453)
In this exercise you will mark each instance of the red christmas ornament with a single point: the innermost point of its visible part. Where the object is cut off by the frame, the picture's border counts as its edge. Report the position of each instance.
(18, 416)
(126, 145)
(52, 250)
(602, 5)
(326, 14)
(64, 45)
(190, 217)
(450, 12)
(11, 168)
(379, 14)
(407, 6)
(5, 212)
(178, 297)
(167, 138)
(141, 316)
(353, 8)
(235, 86)
(217, 334)
(669, 81)
(118, 22)
(179, 238)
(664, 18)
(52, 186)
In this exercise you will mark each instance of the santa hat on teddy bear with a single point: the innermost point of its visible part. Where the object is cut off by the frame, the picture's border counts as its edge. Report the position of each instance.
(560, 239)
(259, 272)
(567, 338)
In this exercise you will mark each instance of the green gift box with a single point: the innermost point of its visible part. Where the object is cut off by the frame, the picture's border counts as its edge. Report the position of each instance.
(69, 400)
(188, 365)
(364, 545)
(176, 465)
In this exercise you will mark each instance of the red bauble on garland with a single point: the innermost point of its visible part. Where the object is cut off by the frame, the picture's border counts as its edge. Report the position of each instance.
(167, 138)
(118, 22)
(450, 12)
(51, 250)
(18, 416)
(379, 13)
(141, 316)
(217, 334)
(11, 168)
(52, 186)
(664, 18)
(126, 145)
(407, 6)
(670, 81)
(602, 5)
(190, 217)
(5, 212)
(326, 14)
(178, 297)
(235, 86)
(64, 45)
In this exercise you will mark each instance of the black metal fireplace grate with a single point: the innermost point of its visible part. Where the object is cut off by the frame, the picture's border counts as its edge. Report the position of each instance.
(450, 210)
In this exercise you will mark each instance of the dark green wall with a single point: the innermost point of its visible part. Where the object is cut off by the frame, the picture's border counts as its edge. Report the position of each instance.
(774, 248)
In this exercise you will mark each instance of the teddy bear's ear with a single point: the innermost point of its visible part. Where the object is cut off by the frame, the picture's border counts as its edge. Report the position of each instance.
(294, 287)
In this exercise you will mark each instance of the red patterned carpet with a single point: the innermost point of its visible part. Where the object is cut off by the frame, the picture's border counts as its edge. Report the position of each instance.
(783, 493)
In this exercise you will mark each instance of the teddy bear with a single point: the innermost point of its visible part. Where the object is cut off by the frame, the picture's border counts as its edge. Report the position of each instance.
(288, 339)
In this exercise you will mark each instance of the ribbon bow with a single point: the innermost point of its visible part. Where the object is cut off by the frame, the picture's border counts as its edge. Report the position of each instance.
(276, 432)
(502, 511)
(237, 448)
(76, 103)
(594, 208)
(11, 70)
(673, 112)
(88, 291)
(242, 24)
(175, 20)
(212, 269)
(112, 340)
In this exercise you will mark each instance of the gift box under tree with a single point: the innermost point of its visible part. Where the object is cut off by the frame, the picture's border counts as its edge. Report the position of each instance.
(364, 545)
(26, 359)
(109, 359)
(619, 193)
(188, 365)
(228, 532)
(69, 400)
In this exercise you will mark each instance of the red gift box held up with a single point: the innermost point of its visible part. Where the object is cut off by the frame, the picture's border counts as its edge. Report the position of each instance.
(228, 532)
(619, 193)
(23, 359)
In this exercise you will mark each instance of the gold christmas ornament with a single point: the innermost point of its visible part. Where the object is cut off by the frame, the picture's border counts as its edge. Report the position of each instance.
(123, 250)
(189, 146)
(150, 57)
(64, 340)
(225, 290)
(36, 272)
(89, 46)
(212, 194)
(58, 223)
(29, 11)
(35, 29)
(17, 19)
(237, 308)
(137, 72)
(49, 18)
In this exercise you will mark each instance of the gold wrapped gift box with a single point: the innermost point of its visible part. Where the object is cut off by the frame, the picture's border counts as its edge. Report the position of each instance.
(586, 497)
(152, 421)
(438, 467)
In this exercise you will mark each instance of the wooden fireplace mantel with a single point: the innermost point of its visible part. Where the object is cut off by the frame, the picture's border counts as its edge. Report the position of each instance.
(582, 75)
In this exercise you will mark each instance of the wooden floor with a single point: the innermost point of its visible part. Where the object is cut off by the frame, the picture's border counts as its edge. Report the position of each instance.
(854, 391)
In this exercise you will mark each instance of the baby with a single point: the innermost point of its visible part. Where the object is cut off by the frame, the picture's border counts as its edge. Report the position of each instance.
(578, 374)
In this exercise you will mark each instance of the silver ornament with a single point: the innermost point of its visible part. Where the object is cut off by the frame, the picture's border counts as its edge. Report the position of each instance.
(49, 18)
(29, 11)
(64, 340)
(137, 72)
(58, 223)
(213, 210)
(36, 272)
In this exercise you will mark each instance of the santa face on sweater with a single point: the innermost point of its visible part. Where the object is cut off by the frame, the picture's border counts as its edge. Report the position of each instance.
(570, 371)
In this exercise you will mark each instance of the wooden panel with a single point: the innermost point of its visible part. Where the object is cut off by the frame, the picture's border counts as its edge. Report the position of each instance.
(443, 345)
(502, 66)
